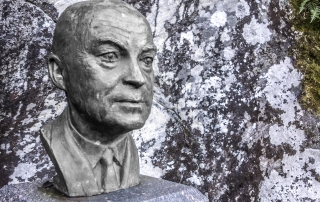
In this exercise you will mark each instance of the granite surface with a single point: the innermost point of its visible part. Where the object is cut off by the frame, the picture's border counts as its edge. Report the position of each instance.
(226, 117)
(150, 189)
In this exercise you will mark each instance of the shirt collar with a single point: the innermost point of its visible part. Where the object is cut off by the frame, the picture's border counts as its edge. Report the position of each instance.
(94, 150)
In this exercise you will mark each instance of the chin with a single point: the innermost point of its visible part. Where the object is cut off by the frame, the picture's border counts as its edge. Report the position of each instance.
(124, 123)
(133, 125)
(130, 125)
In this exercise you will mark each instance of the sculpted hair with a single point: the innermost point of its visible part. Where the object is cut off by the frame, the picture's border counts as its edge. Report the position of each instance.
(66, 35)
(73, 26)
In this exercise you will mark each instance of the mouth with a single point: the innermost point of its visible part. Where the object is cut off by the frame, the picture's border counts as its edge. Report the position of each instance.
(133, 101)
(131, 106)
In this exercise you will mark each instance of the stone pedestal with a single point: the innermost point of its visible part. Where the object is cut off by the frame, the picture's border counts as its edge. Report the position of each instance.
(150, 189)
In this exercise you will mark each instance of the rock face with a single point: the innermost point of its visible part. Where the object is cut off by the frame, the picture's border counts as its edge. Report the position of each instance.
(225, 118)
(28, 99)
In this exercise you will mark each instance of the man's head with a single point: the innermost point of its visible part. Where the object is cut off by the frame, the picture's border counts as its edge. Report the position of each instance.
(102, 57)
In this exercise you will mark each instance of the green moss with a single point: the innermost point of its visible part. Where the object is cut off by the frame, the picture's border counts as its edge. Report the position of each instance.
(307, 53)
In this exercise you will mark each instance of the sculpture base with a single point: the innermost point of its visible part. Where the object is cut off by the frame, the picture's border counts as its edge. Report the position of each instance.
(149, 189)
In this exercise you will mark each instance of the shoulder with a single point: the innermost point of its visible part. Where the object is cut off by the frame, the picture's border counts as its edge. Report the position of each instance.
(53, 130)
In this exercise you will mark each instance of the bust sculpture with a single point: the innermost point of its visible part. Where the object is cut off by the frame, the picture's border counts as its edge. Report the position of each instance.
(102, 55)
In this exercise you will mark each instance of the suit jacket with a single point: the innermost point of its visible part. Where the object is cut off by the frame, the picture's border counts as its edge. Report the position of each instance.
(76, 168)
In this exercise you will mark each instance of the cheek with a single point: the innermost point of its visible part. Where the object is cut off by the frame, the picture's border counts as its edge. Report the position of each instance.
(80, 88)
(149, 80)
(150, 84)
(97, 106)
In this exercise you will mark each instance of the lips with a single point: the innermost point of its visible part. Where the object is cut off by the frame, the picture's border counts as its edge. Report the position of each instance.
(127, 99)
(131, 106)
(133, 101)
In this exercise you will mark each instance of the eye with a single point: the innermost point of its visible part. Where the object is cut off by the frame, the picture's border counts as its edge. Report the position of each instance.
(109, 57)
(147, 61)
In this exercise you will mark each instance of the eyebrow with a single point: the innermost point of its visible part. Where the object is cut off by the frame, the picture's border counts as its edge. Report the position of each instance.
(111, 40)
(149, 47)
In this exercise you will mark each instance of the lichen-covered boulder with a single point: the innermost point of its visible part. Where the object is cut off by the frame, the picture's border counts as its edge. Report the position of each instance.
(27, 96)
(226, 117)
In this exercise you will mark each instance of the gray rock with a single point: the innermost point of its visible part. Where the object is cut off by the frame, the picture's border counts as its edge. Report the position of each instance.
(225, 119)
(150, 189)
(27, 96)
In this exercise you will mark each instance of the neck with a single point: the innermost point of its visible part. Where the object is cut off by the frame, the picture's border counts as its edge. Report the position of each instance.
(91, 130)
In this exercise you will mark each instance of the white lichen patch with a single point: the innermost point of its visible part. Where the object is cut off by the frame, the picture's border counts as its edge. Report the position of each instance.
(6, 148)
(199, 53)
(224, 35)
(229, 77)
(196, 124)
(195, 180)
(187, 36)
(30, 106)
(218, 19)
(226, 5)
(208, 3)
(222, 125)
(296, 180)
(282, 77)
(256, 33)
(28, 148)
(286, 134)
(228, 53)
(23, 172)
(242, 9)
(294, 176)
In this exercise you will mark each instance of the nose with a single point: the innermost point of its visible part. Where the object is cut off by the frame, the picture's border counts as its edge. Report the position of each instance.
(135, 75)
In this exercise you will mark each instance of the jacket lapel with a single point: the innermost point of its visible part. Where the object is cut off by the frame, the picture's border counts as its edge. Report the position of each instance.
(75, 169)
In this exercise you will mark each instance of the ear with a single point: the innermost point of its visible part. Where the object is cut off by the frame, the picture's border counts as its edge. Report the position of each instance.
(56, 71)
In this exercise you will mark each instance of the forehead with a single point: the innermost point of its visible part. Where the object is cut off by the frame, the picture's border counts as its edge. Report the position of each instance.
(121, 25)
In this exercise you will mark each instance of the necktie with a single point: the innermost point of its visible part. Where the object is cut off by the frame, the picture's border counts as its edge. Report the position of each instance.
(109, 176)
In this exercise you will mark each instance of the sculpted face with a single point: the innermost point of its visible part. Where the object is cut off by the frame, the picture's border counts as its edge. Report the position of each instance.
(109, 77)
